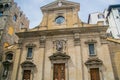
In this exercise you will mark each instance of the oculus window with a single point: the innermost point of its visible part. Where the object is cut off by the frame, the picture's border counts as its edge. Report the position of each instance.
(59, 19)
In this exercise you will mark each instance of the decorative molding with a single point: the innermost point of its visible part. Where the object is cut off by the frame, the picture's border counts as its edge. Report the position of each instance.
(93, 61)
(103, 38)
(28, 64)
(30, 45)
(42, 41)
(60, 45)
(90, 41)
(64, 31)
(20, 41)
(65, 4)
(59, 56)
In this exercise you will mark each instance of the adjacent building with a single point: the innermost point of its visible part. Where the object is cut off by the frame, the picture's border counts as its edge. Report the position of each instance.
(113, 18)
(110, 17)
(12, 20)
(61, 47)
(96, 18)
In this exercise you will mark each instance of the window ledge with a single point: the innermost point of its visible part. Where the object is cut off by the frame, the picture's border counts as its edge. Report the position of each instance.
(29, 58)
(92, 55)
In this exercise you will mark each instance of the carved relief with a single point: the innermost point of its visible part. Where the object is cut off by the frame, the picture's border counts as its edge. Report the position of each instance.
(60, 45)
(90, 41)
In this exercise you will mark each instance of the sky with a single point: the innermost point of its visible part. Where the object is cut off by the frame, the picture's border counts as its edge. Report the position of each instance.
(31, 8)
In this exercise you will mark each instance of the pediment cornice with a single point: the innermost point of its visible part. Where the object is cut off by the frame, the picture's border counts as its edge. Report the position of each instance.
(59, 56)
(93, 61)
(65, 4)
(27, 64)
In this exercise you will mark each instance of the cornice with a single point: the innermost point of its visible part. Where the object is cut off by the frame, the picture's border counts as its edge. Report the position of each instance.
(64, 31)
(66, 4)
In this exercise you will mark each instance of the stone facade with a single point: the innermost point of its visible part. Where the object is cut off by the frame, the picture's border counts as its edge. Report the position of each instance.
(59, 48)
(12, 20)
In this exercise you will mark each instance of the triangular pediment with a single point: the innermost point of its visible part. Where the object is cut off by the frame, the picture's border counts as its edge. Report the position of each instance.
(59, 56)
(94, 61)
(28, 64)
(63, 4)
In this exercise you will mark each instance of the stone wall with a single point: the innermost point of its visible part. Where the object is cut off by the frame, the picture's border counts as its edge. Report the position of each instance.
(12, 20)
(114, 48)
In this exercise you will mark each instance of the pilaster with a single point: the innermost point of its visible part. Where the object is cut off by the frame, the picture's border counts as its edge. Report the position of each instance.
(42, 41)
(78, 53)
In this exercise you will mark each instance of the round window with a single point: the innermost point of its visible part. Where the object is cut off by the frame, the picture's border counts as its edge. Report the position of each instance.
(60, 20)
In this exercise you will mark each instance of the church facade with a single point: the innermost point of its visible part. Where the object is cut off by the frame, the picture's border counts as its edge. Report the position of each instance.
(61, 47)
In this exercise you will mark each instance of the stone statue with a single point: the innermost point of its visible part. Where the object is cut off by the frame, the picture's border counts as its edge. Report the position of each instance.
(5, 72)
(59, 45)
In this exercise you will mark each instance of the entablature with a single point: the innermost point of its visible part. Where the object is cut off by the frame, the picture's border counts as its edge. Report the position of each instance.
(65, 31)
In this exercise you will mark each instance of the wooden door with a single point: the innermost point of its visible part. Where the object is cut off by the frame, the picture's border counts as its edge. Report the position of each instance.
(59, 72)
(94, 72)
(26, 75)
